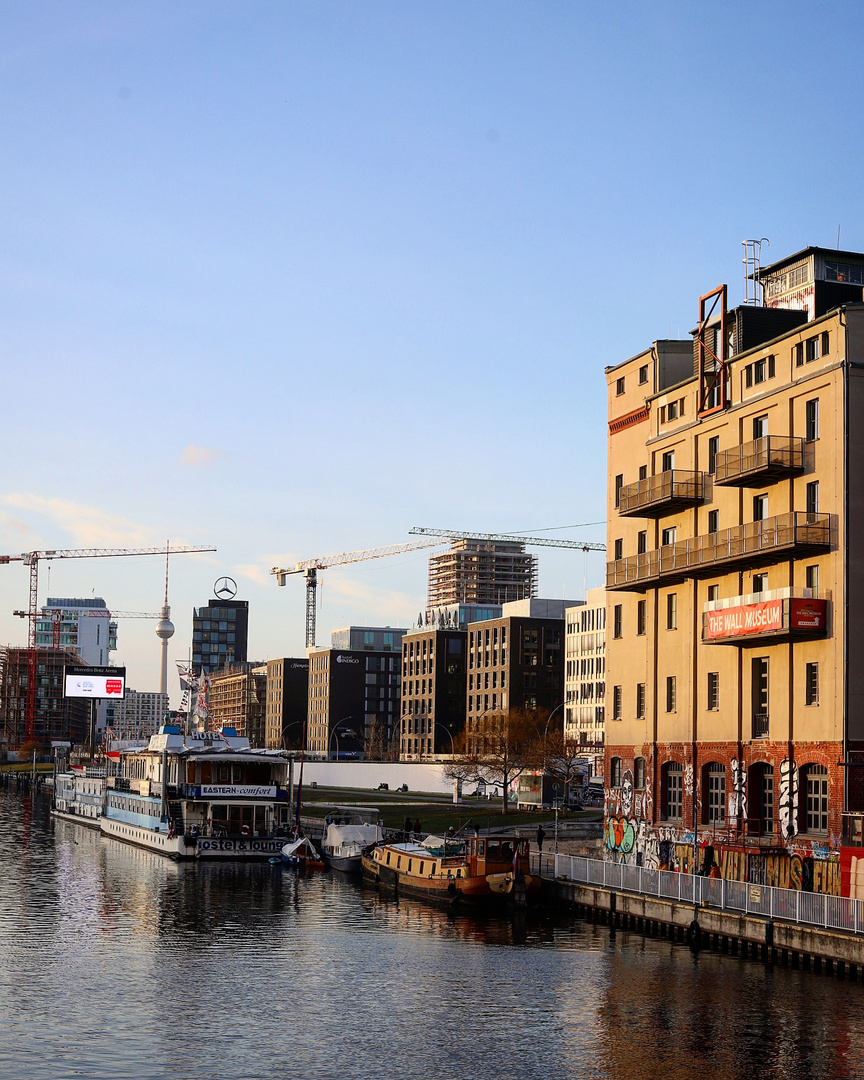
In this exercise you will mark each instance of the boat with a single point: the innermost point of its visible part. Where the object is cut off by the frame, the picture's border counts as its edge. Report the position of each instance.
(479, 870)
(348, 832)
(207, 795)
(301, 853)
(79, 795)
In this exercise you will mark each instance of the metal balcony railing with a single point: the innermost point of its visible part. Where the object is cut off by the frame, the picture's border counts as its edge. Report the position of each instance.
(770, 458)
(753, 543)
(759, 727)
(661, 494)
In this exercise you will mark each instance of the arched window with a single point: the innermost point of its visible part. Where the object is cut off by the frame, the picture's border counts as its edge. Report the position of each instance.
(814, 805)
(713, 793)
(760, 799)
(672, 790)
(639, 774)
(615, 772)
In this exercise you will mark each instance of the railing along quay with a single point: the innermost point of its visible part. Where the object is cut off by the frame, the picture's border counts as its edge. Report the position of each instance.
(739, 897)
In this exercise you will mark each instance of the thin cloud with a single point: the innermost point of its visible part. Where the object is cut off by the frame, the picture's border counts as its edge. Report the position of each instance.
(89, 526)
(201, 456)
(255, 573)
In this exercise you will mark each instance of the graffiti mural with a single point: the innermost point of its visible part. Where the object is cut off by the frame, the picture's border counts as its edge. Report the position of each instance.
(627, 794)
(620, 835)
(788, 799)
(738, 797)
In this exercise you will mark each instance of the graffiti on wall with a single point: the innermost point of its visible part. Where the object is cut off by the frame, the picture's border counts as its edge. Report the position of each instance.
(788, 799)
(738, 796)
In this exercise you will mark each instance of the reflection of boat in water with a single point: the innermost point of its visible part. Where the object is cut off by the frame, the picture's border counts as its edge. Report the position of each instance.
(480, 870)
(302, 854)
(348, 832)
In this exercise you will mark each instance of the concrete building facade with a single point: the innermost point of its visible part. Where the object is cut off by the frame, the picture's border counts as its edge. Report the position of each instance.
(84, 625)
(585, 676)
(735, 582)
(139, 714)
(237, 697)
(354, 693)
(434, 679)
(55, 716)
(481, 572)
(220, 632)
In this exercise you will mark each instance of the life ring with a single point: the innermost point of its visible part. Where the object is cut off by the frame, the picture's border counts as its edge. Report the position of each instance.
(244, 830)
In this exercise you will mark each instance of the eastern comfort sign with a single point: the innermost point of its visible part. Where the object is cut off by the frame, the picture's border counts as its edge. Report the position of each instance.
(769, 617)
(94, 682)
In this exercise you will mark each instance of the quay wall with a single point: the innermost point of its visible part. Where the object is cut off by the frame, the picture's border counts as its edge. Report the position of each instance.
(774, 940)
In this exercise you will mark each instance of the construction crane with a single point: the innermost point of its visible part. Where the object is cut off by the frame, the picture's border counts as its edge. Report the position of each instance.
(54, 613)
(32, 559)
(508, 538)
(309, 569)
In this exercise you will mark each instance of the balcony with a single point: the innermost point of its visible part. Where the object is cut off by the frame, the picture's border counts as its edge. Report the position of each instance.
(755, 543)
(753, 464)
(662, 494)
(759, 726)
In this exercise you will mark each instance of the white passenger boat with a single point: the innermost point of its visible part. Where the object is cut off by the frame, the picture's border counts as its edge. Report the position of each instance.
(199, 796)
(79, 794)
(348, 832)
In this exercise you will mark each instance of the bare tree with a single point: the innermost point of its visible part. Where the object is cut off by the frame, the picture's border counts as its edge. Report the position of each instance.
(496, 748)
(561, 755)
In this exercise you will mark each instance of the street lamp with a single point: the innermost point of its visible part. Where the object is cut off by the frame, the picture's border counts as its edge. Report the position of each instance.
(452, 750)
(294, 723)
(334, 735)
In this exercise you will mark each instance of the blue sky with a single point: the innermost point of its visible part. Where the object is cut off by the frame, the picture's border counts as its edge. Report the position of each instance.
(292, 278)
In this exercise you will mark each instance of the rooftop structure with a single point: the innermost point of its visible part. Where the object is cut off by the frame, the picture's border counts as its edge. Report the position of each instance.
(481, 572)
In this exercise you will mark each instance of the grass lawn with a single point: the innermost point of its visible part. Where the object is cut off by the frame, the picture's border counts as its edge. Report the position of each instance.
(436, 813)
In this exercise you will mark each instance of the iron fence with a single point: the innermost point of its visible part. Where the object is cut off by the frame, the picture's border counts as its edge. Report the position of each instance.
(741, 897)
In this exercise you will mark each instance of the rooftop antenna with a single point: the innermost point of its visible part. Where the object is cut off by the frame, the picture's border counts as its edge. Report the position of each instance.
(752, 266)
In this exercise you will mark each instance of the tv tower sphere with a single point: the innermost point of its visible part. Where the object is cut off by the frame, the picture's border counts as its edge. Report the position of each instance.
(164, 628)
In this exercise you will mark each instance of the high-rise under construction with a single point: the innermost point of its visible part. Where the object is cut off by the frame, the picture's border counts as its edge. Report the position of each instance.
(481, 572)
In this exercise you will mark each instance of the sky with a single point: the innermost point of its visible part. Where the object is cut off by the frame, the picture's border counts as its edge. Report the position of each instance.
(291, 278)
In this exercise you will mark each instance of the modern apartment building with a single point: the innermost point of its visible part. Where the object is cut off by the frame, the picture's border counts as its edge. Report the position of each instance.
(585, 676)
(434, 678)
(219, 634)
(237, 697)
(517, 661)
(735, 703)
(287, 702)
(138, 715)
(84, 625)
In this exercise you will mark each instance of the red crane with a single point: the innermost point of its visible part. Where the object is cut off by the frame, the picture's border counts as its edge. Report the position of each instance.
(32, 559)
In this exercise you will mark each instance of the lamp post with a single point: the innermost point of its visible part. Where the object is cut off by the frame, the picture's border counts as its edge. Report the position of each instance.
(294, 723)
(334, 735)
(452, 745)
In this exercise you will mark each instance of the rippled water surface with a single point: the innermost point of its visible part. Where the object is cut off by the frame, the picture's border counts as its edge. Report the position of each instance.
(117, 963)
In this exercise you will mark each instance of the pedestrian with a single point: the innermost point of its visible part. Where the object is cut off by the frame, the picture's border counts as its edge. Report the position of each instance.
(406, 827)
(541, 836)
(417, 825)
(714, 872)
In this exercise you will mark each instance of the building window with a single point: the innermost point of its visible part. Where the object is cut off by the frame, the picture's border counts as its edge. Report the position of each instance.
(816, 806)
(713, 702)
(811, 577)
(759, 696)
(811, 349)
(616, 702)
(640, 701)
(813, 497)
(825, 342)
(667, 462)
(671, 693)
(766, 801)
(760, 507)
(643, 374)
(619, 386)
(641, 542)
(811, 684)
(760, 427)
(673, 790)
(619, 549)
(715, 783)
(672, 611)
(760, 583)
(615, 772)
(616, 620)
(619, 483)
(798, 354)
(713, 450)
(640, 618)
(713, 521)
(672, 410)
(639, 774)
(713, 592)
(643, 472)
(668, 536)
(811, 425)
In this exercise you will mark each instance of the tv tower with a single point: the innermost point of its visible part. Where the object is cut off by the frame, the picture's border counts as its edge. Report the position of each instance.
(164, 631)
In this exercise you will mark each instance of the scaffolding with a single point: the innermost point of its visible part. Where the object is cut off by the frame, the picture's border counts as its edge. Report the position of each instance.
(481, 572)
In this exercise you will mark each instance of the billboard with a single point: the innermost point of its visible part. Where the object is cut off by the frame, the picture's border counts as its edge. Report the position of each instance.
(784, 616)
(95, 682)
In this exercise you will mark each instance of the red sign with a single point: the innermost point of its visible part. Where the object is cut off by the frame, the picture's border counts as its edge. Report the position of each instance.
(113, 686)
(744, 620)
(807, 615)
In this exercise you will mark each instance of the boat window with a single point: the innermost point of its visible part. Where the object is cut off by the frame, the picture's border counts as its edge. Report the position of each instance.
(398, 862)
(494, 849)
(482, 847)
(388, 856)
(458, 871)
(410, 862)
(421, 866)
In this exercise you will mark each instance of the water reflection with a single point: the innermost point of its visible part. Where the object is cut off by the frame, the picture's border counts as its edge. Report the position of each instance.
(115, 962)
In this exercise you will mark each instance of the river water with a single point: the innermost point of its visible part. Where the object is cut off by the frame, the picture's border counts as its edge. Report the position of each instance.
(118, 963)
